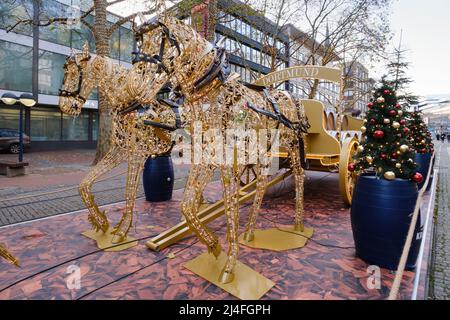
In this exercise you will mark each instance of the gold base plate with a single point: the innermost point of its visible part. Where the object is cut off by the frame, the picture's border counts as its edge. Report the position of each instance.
(247, 284)
(278, 239)
(104, 240)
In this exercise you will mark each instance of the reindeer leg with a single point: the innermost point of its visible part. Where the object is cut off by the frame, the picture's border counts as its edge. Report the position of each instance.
(231, 201)
(260, 191)
(199, 176)
(135, 164)
(299, 178)
(111, 160)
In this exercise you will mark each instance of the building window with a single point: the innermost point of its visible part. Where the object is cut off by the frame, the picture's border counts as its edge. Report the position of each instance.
(57, 32)
(126, 44)
(9, 117)
(10, 11)
(75, 128)
(82, 34)
(45, 124)
(114, 44)
(15, 66)
(51, 72)
(94, 126)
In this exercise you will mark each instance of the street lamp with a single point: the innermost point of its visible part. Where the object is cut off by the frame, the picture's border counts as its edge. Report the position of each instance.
(25, 99)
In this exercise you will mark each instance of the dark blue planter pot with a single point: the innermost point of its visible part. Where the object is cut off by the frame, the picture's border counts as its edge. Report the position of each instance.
(423, 160)
(381, 215)
(158, 179)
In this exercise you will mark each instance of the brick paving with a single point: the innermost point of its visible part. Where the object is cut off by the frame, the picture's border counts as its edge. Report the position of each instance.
(326, 268)
(439, 281)
(51, 171)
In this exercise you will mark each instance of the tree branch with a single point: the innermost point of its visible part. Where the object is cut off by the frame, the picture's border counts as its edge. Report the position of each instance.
(49, 21)
(123, 20)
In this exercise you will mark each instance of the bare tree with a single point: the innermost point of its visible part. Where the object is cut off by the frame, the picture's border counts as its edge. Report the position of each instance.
(397, 77)
(95, 19)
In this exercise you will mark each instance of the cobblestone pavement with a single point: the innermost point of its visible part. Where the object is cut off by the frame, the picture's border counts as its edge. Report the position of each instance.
(54, 176)
(440, 268)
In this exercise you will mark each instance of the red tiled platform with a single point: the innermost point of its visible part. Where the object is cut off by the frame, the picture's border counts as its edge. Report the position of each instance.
(313, 272)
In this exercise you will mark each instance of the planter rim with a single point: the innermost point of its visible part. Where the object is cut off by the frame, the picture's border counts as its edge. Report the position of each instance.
(161, 156)
(374, 177)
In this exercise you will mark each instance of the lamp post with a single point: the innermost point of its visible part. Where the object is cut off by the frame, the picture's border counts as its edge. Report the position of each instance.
(25, 99)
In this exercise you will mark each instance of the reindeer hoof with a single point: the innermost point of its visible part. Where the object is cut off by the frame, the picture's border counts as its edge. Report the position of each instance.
(226, 277)
(249, 236)
(299, 227)
(118, 237)
(216, 250)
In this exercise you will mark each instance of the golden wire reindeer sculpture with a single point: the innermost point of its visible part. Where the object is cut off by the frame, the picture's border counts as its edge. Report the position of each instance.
(132, 141)
(200, 72)
(4, 253)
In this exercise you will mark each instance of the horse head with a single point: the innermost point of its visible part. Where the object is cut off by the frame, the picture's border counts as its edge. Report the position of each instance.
(77, 84)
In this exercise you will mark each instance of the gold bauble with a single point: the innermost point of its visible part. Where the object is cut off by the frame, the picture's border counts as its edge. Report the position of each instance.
(423, 141)
(369, 159)
(386, 121)
(404, 148)
(398, 165)
(365, 121)
(360, 149)
(380, 100)
(389, 175)
(395, 125)
(363, 129)
(400, 112)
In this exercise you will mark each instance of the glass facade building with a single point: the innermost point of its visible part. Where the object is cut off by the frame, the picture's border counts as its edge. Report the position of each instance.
(254, 44)
(46, 125)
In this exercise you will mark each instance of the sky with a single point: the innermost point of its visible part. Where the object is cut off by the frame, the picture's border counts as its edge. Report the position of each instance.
(426, 36)
(425, 26)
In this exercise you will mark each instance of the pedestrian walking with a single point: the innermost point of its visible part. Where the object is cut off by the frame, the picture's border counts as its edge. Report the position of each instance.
(438, 136)
(443, 137)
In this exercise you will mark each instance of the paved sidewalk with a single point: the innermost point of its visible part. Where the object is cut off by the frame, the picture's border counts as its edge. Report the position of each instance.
(54, 176)
(440, 269)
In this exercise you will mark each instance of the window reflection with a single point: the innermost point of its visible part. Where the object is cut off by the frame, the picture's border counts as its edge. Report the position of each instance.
(15, 66)
(51, 72)
(9, 117)
(45, 125)
(57, 32)
(12, 11)
(75, 128)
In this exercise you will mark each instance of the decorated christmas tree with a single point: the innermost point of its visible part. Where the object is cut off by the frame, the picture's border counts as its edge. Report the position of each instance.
(420, 136)
(385, 147)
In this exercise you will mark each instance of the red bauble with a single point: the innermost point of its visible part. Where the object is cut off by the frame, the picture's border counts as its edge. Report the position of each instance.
(387, 92)
(394, 155)
(423, 151)
(370, 105)
(392, 113)
(398, 106)
(406, 130)
(378, 134)
(383, 156)
(417, 177)
(373, 121)
(351, 167)
(403, 122)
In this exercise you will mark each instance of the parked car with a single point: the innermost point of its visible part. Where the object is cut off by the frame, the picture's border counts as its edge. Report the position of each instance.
(9, 140)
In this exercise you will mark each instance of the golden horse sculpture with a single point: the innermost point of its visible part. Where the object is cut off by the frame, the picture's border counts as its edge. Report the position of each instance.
(131, 139)
(220, 102)
(4, 253)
